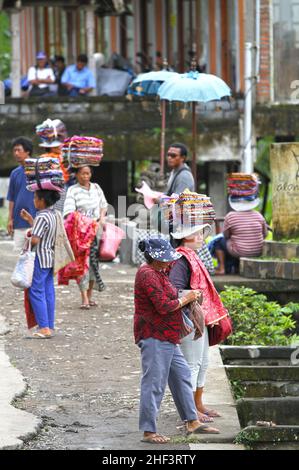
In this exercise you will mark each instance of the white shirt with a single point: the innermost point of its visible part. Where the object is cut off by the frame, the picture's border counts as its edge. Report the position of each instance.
(35, 73)
(87, 201)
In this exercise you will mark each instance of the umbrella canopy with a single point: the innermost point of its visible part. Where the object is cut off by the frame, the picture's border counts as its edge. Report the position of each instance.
(150, 82)
(194, 86)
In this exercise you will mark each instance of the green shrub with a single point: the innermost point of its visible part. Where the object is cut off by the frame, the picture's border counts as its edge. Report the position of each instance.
(256, 320)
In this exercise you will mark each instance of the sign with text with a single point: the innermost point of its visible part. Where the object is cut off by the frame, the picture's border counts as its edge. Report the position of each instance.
(285, 183)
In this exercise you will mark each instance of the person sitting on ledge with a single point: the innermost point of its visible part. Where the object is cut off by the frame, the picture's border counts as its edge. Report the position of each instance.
(244, 230)
(77, 78)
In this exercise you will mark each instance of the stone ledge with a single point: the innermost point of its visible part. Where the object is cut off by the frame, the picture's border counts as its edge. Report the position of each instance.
(268, 269)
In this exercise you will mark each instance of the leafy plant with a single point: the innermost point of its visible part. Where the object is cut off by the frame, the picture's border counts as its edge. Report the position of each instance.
(256, 320)
(238, 389)
(5, 46)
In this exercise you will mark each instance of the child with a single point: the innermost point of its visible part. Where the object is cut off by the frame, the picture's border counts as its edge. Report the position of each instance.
(42, 293)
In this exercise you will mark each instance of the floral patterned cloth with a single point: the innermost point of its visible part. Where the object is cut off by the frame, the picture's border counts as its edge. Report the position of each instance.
(81, 232)
(200, 279)
(155, 297)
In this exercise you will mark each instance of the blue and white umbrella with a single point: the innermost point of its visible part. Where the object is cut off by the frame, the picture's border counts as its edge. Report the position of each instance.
(146, 84)
(193, 87)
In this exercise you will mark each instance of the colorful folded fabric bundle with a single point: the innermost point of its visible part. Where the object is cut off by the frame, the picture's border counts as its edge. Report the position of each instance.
(194, 209)
(44, 173)
(80, 151)
(167, 205)
(242, 186)
(188, 208)
(51, 131)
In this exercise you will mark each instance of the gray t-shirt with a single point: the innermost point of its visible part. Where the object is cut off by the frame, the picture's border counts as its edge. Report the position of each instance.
(183, 181)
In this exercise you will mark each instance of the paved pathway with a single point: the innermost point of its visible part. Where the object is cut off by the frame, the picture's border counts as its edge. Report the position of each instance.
(83, 385)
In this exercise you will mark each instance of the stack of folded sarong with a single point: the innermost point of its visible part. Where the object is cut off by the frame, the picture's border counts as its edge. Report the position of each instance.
(51, 132)
(167, 206)
(194, 209)
(44, 173)
(242, 187)
(80, 151)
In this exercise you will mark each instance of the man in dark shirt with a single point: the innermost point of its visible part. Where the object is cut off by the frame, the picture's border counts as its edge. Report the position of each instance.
(18, 196)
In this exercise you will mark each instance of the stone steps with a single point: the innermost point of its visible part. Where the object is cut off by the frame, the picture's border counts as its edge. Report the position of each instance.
(263, 373)
(270, 389)
(282, 411)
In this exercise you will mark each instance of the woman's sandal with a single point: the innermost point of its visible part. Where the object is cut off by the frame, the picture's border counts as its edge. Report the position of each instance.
(212, 413)
(92, 303)
(154, 439)
(38, 335)
(203, 429)
(85, 307)
(203, 418)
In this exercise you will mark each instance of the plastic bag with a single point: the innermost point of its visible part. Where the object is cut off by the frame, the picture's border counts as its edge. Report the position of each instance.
(23, 272)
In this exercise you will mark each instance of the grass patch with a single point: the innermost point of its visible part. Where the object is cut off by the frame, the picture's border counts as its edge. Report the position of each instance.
(3, 217)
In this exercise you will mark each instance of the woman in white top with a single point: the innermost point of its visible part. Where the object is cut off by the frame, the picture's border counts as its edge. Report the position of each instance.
(41, 77)
(89, 199)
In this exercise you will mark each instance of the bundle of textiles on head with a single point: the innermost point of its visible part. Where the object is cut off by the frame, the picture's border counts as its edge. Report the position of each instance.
(194, 209)
(242, 187)
(167, 205)
(82, 151)
(187, 209)
(44, 173)
(51, 132)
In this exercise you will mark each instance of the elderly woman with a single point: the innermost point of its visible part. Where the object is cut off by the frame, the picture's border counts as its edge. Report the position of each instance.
(88, 199)
(187, 273)
(157, 328)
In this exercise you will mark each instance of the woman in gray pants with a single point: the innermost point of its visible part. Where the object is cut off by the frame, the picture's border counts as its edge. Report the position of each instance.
(157, 328)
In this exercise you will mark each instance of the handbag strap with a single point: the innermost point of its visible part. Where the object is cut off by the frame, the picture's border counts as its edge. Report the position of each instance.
(170, 191)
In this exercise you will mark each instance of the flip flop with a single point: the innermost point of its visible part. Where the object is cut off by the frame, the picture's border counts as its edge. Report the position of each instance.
(203, 429)
(212, 413)
(92, 303)
(85, 307)
(151, 439)
(38, 335)
(205, 418)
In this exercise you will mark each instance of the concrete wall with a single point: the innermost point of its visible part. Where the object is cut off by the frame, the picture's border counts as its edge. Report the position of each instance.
(130, 129)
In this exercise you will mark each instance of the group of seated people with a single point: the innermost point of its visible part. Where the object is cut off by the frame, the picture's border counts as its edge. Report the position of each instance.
(75, 80)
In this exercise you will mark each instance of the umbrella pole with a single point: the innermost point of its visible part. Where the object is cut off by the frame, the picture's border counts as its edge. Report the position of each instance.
(194, 143)
(162, 149)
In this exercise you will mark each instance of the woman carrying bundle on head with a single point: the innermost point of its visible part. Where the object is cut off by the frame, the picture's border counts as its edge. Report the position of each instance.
(86, 205)
(244, 229)
(195, 214)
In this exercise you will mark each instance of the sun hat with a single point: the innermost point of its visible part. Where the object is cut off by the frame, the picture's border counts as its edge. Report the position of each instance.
(159, 249)
(41, 55)
(148, 194)
(55, 143)
(186, 232)
(242, 206)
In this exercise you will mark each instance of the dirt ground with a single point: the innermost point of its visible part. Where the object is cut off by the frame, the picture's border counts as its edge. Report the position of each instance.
(84, 382)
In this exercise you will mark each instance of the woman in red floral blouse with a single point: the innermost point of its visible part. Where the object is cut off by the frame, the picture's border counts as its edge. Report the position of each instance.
(157, 327)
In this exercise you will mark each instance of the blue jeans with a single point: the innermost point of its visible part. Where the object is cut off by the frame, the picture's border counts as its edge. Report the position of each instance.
(219, 243)
(163, 362)
(42, 296)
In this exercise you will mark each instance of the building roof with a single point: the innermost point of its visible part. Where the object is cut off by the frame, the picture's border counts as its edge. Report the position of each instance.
(102, 7)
